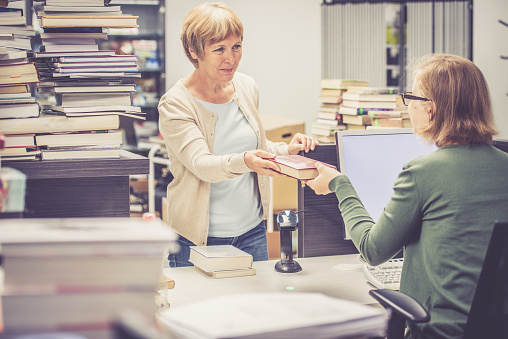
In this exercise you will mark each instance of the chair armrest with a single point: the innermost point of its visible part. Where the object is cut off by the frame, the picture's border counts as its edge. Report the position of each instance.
(401, 304)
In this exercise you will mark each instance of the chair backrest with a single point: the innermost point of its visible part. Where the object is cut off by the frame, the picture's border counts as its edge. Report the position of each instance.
(488, 317)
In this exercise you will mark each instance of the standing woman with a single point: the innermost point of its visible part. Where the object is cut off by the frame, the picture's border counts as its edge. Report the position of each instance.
(216, 142)
(444, 204)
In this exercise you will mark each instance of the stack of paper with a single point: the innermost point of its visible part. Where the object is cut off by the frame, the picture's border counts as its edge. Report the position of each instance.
(77, 274)
(274, 315)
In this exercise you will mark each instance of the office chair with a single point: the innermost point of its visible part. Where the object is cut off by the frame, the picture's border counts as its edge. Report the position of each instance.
(488, 316)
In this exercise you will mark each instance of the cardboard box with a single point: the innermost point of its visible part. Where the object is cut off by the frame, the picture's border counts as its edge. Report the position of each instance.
(164, 209)
(285, 189)
(139, 185)
(273, 242)
(285, 194)
(281, 129)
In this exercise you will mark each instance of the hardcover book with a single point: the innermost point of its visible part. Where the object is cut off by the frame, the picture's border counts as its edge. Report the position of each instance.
(222, 257)
(19, 140)
(360, 111)
(19, 110)
(19, 73)
(342, 83)
(389, 114)
(392, 122)
(326, 130)
(56, 124)
(80, 153)
(369, 97)
(79, 139)
(369, 104)
(372, 90)
(219, 274)
(357, 119)
(89, 21)
(297, 166)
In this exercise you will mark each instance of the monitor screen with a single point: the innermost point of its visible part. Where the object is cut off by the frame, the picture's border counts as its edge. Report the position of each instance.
(372, 160)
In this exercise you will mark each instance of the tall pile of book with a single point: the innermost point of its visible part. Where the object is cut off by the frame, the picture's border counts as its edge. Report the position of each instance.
(17, 74)
(329, 120)
(76, 275)
(90, 88)
(373, 107)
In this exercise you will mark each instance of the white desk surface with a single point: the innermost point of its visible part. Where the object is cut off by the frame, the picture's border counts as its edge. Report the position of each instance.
(318, 275)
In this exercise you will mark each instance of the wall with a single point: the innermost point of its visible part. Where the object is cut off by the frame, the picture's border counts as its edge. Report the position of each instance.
(281, 51)
(490, 41)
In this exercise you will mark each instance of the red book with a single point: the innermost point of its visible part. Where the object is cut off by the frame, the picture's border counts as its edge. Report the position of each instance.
(297, 166)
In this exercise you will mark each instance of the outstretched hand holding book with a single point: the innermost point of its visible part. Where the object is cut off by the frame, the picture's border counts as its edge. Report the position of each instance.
(298, 167)
(322, 181)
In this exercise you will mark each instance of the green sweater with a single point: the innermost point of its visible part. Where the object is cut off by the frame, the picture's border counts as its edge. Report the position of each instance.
(442, 212)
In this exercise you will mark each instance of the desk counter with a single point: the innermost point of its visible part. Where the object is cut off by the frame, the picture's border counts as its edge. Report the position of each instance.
(79, 188)
(338, 276)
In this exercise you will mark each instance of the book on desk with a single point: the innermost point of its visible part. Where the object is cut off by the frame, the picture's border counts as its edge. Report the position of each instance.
(222, 261)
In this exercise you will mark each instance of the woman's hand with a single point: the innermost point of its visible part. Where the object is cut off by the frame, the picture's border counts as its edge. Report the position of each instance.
(301, 142)
(321, 182)
(256, 161)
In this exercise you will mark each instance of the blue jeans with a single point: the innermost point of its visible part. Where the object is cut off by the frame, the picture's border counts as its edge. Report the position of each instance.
(252, 242)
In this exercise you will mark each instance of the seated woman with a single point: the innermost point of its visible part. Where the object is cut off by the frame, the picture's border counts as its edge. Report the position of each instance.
(444, 204)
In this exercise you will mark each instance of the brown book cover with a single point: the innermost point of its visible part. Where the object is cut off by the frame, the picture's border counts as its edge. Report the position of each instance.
(89, 21)
(357, 119)
(14, 88)
(19, 73)
(297, 166)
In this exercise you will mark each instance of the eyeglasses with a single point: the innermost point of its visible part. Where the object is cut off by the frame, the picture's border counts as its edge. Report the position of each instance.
(407, 97)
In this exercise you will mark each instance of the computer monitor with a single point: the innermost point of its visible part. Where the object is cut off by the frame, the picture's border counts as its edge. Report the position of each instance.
(372, 160)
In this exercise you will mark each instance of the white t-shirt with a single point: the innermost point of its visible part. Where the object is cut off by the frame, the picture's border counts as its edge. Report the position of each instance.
(235, 204)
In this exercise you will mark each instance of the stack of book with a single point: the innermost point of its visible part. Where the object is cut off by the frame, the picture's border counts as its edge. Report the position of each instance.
(17, 74)
(10, 14)
(76, 275)
(329, 119)
(222, 261)
(85, 87)
(373, 107)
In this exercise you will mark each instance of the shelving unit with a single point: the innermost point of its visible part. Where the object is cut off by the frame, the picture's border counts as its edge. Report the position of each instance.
(80, 188)
(147, 42)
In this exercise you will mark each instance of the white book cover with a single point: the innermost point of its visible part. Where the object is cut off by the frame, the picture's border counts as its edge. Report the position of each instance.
(71, 232)
(221, 257)
(76, 311)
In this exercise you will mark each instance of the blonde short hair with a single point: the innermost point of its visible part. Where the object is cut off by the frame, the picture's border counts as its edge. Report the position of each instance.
(458, 91)
(208, 22)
